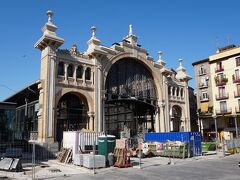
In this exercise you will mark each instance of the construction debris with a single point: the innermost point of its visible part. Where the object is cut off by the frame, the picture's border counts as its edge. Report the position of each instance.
(65, 155)
(11, 164)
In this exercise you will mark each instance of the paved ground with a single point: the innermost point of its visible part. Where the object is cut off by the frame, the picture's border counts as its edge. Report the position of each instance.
(212, 167)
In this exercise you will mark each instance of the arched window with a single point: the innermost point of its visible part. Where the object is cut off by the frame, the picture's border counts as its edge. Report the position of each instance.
(61, 68)
(181, 92)
(70, 70)
(178, 91)
(169, 90)
(88, 74)
(79, 72)
(173, 91)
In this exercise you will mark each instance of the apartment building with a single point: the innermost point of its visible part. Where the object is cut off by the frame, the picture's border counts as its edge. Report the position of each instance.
(218, 93)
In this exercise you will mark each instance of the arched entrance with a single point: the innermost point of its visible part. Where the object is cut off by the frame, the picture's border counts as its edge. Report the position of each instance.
(71, 114)
(130, 98)
(176, 118)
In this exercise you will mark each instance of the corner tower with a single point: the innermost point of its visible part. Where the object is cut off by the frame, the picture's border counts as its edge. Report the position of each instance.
(47, 44)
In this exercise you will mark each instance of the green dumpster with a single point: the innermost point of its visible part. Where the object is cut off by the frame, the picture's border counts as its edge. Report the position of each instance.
(208, 146)
(106, 145)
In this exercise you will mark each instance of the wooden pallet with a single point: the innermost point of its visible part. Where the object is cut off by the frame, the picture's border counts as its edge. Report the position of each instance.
(65, 155)
(121, 158)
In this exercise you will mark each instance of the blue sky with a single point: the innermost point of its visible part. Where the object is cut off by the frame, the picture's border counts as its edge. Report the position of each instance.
(179, 28)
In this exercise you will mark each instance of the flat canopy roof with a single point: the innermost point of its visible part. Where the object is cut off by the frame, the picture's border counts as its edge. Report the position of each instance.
(31, 93)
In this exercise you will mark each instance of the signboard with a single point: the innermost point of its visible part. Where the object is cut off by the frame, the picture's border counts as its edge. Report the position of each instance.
(121, 143)
(33, 135)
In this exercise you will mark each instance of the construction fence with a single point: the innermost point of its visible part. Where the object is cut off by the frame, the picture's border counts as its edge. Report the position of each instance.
(232, 146)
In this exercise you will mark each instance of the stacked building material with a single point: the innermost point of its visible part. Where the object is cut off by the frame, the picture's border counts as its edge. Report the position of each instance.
(96, 161)
(78, 160)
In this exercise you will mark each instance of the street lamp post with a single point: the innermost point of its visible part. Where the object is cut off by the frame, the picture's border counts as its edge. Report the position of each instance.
(236, 124)
(215, 123)
(199, 125)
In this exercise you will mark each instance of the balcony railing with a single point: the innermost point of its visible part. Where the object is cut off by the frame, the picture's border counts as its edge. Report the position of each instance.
(205, 113)
(219, 69)
(236, 94)
(220, 81)
(236, 79)
(203, 99)
(224, 111)
(222, 96)
(203, 85)
(202, 72)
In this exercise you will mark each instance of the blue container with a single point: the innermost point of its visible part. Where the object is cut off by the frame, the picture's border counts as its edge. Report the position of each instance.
(193, 138)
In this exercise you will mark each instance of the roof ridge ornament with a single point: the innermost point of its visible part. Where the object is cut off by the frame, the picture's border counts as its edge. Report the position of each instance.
(93, 29)
(49, 14)
(130, 30)
(131, 38)
(159, 55)
(181, 72)
(180, 60)
(160, 60)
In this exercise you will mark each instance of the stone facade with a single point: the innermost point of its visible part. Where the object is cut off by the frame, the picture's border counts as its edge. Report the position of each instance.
(85, 76)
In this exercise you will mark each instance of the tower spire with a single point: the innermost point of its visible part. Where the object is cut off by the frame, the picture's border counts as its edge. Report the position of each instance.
(131, 37)
(49, 37)
(181, 72)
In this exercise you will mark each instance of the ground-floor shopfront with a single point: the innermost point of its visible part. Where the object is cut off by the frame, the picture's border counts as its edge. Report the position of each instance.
(219, 127)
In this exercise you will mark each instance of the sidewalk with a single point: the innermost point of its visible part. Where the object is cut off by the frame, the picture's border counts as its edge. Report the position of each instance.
(53, 168)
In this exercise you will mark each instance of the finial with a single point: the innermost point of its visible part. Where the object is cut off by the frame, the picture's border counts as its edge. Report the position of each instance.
(93, 29)
(130, 30)
(180, 62)
(159, 55)
(49, 14)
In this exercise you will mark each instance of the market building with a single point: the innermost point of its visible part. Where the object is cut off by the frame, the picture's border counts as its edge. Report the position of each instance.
(107, 89)
(218, 92)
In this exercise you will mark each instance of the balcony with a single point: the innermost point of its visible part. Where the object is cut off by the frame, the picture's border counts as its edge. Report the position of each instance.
(220, 81)
(223, 111)
(204, 99)
(236, 94)
(205, 113)
(203, 85)
(222, 96)
(235, 79)
(202, 72)
(219, 69)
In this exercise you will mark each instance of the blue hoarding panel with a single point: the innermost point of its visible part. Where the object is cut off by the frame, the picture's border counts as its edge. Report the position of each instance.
(193, 138)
